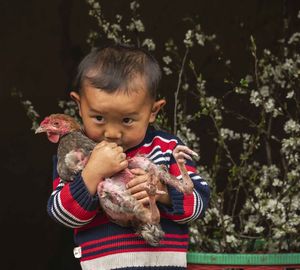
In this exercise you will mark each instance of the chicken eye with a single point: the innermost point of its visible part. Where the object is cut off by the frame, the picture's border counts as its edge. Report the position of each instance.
(55, 124)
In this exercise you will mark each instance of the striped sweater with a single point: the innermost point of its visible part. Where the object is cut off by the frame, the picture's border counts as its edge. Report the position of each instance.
(103, 245)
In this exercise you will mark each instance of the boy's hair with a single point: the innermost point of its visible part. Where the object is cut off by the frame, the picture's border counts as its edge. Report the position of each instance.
(112, 68)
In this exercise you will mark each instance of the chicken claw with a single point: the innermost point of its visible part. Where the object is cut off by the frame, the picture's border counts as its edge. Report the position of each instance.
(180, 153)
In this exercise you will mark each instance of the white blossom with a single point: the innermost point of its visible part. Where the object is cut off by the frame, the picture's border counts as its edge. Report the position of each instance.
(229, 134)
(288, 64)
(255, 98)
(228, 62)
(91, 2)
(231, 239)
(185, 86)
(200, 39)
(295, 38)
(119, 18)
(96, 5)
(134, 5)
(188, 38)
(136, 24)
(167, 59)
(291, 126)
(290, 94)
(277, 183)
(269, 105)
(139, 25)
(264, 91)
(167, 70)
(278, 234)
(148, 42)
(257, 191)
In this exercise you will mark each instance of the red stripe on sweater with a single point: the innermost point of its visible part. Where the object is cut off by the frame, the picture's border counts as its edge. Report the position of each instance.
(164, 242)
(188, 208)
(115, 237)
(179, 236)
(117, 244)
(127, 244)
(68, 202)
(131, 235)
(133, 250)
(55, 183)
(100, 219)
(156, 142)
(188, 205)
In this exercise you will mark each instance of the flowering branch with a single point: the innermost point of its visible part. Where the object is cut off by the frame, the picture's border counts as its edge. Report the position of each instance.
(177, 90)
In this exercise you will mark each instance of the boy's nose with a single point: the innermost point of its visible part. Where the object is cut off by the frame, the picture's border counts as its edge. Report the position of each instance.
(112, 134)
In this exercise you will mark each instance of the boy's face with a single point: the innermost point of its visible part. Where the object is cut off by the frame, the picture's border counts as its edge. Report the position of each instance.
(118, 117)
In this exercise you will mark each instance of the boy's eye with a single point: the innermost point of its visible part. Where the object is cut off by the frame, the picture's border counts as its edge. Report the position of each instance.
(99, 118)
(127, 120)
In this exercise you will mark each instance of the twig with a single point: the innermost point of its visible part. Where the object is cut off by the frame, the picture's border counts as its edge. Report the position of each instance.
(177, 90)
(268, 146)
(253, 50)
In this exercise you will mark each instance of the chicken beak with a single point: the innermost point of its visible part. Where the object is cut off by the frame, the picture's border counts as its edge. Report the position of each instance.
(39, 130)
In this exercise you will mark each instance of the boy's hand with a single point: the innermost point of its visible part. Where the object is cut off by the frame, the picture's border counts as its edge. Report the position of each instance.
(137, 187)
(106, 159)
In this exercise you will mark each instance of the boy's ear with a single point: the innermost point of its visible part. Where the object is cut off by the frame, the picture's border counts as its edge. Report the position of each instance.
(157, 105)
(76, 97)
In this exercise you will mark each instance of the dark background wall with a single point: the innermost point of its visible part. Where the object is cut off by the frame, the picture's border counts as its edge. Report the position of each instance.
(41, 41)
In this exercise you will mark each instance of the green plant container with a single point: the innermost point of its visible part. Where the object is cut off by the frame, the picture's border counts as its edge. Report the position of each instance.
(217, 261)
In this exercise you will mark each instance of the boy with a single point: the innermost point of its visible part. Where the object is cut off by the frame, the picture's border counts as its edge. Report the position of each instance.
(117, 101)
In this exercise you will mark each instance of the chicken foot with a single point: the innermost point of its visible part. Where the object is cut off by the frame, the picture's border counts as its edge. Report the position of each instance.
(185, 185)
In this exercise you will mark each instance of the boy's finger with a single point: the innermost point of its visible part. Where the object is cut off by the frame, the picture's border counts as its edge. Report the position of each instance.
(121, 156)
(145, 201)
(186, 150)
(193, 153)
(124, 164)
(181, 160)
(136, 184)
(182, 154)
(140, 195)
(137, 171)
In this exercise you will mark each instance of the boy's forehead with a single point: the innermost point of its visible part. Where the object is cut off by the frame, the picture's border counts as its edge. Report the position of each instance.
(128, 101)
(135, 85)
(137, 82)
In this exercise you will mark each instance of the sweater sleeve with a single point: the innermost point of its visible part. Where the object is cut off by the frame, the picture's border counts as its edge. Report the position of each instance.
(70, 203)
(186, 207)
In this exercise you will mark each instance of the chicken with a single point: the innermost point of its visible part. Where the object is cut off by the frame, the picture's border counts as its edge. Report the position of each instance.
(73, 152)
(74, 147)
(125, 210)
